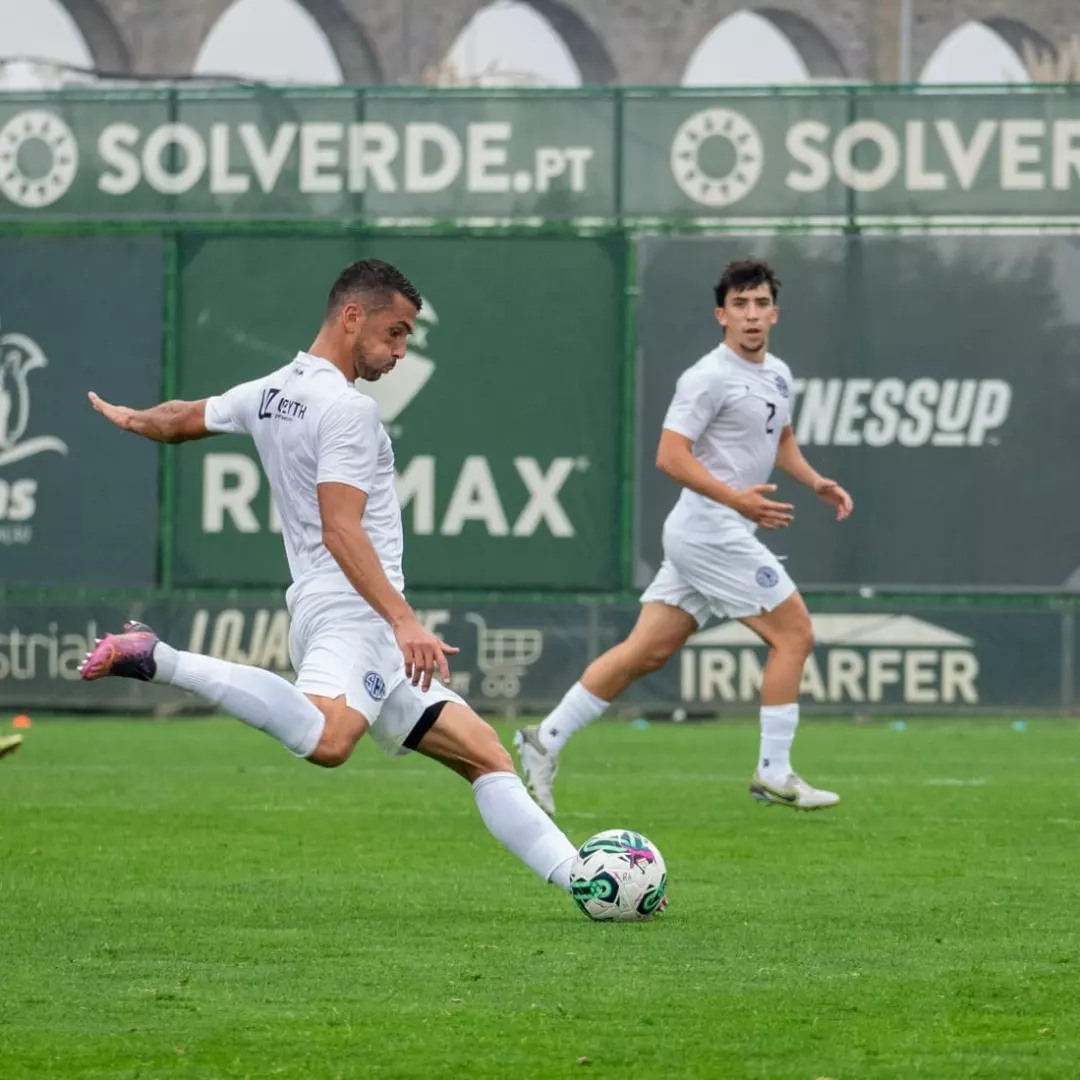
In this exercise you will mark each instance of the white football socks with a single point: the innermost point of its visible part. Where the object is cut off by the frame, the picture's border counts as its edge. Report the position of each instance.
(258, 697)
(578, 708)
(778, 724)
(520, 825)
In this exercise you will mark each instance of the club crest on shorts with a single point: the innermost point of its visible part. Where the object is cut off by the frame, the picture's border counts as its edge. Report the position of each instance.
(766, 577)
(782, 386)
(374, 685)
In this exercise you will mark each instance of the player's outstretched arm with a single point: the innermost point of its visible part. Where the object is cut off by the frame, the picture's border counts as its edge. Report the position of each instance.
(341, 507)
(790, 458)
(169, 422)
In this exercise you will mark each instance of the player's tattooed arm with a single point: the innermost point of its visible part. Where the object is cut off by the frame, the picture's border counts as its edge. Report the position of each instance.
(169, 422)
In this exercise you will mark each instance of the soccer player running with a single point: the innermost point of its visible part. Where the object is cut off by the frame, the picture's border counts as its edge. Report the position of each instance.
(728, 424)
(363, 659)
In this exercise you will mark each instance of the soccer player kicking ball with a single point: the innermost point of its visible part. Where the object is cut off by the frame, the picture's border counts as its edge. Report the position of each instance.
(728, 424)
(363, 660)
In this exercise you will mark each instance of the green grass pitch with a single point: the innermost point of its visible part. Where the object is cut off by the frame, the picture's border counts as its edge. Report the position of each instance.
(184, 899)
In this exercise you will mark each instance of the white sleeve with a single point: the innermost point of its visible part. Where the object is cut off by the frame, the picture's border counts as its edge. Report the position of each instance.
(693, 407)
(348, 443)
(234, 412)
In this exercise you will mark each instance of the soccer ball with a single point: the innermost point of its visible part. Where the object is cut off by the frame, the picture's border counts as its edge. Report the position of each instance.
(618, 876)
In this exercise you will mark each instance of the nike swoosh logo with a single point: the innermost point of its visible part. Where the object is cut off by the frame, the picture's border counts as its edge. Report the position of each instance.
(777, 794)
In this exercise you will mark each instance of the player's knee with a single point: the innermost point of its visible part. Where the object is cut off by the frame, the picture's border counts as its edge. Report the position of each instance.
(332, 750)
(801, 638)
(330, 758)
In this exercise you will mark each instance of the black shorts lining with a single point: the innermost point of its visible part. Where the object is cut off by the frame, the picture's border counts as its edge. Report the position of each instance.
(424, 724)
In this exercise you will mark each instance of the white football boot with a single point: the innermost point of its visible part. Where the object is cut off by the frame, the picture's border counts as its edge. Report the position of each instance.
(794, 792)
(540, 767)
(9, 744)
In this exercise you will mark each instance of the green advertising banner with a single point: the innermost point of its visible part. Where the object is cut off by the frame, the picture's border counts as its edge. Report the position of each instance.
(78, 498)
(251, 154)
(274, 154)
(504, 415)
(952, 425)
(844, 154)
(521, 657)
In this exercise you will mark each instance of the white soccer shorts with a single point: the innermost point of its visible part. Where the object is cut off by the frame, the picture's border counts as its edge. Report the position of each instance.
(728, 575)
(338, 645)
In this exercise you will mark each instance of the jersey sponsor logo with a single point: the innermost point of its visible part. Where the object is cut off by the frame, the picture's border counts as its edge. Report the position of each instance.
(375, 686)
(289, 409)
(19, 356)
(274, 407)
(766, 577)
(267, 401)
(857, 659)
(895, 412)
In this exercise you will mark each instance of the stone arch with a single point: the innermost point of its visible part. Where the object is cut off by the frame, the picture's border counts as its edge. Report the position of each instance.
(817, 51)
(585, 44)
(928, 34)
(109, 50)
(567, 19)
(350, 44)
(1024, 46)
(822, 37)
(344, 35)
(1024, 40)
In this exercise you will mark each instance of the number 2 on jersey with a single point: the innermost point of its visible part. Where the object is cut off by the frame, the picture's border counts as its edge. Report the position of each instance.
(769, 429)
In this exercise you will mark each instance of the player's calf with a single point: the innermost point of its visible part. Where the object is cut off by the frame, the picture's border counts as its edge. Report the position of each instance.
(464, 742)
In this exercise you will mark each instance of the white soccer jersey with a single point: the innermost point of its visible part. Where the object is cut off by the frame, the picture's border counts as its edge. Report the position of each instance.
(733, 411)
(312, 426)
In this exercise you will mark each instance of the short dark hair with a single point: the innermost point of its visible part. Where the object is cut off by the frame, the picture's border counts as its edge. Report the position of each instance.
(743, 274)
(375, 282)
